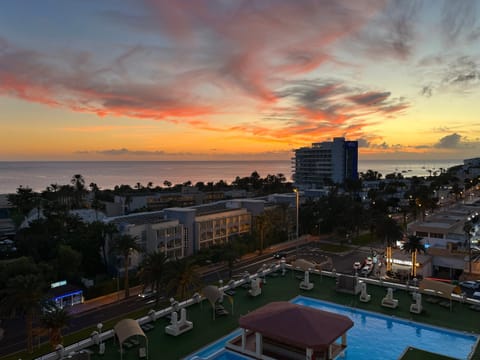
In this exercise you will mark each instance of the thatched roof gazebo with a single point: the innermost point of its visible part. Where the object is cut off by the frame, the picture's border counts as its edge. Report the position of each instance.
(285, 330)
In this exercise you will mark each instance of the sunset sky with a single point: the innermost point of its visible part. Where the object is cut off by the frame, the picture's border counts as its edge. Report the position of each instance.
(240, 80)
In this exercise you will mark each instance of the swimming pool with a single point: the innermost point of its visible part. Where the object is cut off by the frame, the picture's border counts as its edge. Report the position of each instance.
(373, 336)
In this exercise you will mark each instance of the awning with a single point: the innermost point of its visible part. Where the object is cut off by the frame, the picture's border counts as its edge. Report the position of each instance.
(438, 288)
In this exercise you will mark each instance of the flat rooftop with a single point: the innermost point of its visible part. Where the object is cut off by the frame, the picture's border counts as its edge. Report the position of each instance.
(206, 330)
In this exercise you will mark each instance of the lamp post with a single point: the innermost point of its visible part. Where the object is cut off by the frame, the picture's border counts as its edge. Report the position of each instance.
(297, 196)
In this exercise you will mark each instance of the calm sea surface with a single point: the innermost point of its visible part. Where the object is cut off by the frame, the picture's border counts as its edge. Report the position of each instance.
(106, 174)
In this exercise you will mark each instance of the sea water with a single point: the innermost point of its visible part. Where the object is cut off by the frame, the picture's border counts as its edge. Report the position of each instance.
(106, 174)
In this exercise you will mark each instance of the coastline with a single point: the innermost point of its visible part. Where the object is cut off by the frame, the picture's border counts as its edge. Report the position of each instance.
(107, 174)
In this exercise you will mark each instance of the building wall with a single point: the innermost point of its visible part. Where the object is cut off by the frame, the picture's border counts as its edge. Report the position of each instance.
(326, 161)
(219, 228)
(186, 217)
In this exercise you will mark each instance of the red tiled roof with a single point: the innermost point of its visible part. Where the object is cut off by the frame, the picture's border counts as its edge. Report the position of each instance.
(297, 325)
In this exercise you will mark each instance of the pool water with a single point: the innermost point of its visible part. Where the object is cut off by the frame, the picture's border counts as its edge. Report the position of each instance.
(381, 337)
(373, 336)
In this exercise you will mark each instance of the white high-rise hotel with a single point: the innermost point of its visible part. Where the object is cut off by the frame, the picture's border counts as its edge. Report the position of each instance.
(325, 163)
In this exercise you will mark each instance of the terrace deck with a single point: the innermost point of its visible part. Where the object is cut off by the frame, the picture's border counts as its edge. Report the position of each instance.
(207, 330)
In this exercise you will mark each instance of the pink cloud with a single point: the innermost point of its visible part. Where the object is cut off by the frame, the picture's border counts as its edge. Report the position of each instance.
(214, 57)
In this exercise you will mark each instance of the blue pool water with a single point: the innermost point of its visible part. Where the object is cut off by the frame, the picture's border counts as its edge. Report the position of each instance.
(373, 336)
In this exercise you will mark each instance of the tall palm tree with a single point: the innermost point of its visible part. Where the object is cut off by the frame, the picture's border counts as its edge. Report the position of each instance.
(263, 224)
(55, 319)
(389, 231)
(152, 272)
(124, 245)
(183, 278)
(21, 296)
(230, 254)
(78, 183)
(103, 232)
(412, 246)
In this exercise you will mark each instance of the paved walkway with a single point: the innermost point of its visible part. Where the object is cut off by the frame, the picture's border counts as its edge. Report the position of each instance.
(94, 304)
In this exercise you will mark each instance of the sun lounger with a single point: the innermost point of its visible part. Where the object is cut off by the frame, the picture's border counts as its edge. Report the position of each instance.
(432, 300)
(147, 327)
(444, 304)
(220, 310)
(179, 325)
(389, 301)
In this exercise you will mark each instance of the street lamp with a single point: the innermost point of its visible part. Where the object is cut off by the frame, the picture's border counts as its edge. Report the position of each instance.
(297, 196)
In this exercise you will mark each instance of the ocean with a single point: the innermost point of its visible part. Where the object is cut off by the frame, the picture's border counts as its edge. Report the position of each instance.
(106, 174)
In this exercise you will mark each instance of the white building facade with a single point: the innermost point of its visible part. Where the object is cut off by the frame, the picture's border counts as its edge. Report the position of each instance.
(325, 162)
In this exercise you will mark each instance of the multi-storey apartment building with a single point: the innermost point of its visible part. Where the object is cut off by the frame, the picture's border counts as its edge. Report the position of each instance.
(445, 236)
(153, 233)
(325, 162)
(180, 232)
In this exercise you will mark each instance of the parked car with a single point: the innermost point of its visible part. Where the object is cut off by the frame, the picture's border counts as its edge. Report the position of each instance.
(147, 294)
(470, 284)
(280, 255)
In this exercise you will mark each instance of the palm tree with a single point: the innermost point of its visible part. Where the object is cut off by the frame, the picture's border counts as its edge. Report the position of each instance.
(183, 278)
(21, 296)
(55, 319)
(230, 255)
(152, 272)
(263, 224)
(389, 231)
(124, 245)
(78, 183)
(412, 246)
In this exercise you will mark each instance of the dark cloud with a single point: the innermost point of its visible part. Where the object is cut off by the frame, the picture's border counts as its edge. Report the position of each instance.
(363, 143)
(332, 98)
(426, 90)
(449, 142)
(124, 151)
(461, 74)
(370, 98)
